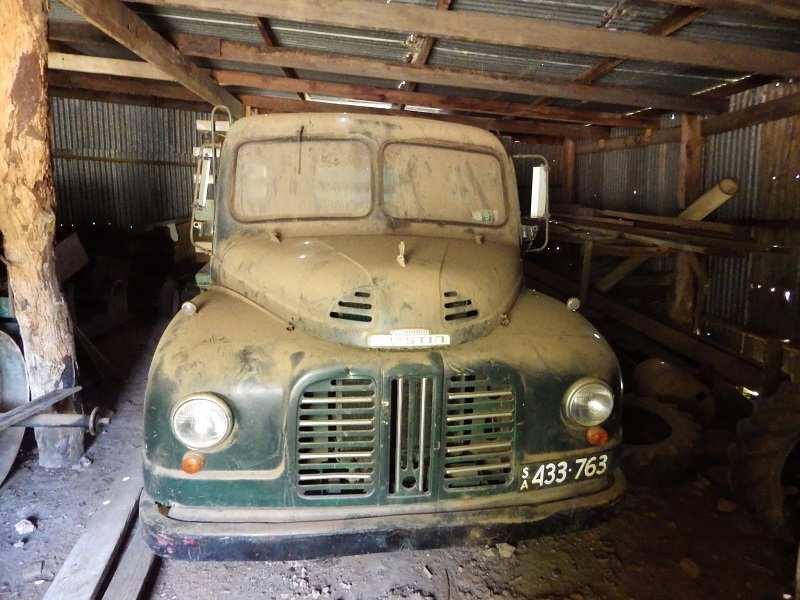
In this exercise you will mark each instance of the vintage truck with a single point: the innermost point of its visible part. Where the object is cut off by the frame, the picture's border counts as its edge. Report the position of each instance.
(366, 371)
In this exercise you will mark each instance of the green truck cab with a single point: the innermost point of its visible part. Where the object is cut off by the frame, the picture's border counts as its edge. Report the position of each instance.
(366, 371)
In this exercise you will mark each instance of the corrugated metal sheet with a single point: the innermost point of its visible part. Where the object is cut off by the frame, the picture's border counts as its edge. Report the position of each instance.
(121, 165)
(716, 25)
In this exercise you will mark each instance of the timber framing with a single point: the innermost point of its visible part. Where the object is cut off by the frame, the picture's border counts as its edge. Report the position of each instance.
(500, 30)
(675, 22)
(125, 68)
(221, 49)
(65, 80)
(773, 110)
(126, 27)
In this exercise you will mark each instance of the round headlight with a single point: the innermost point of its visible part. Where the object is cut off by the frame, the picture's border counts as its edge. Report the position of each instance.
(588, 402)
(202, 421)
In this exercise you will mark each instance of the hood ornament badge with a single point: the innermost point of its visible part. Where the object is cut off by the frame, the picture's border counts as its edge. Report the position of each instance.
(401, 257)
(409, 338)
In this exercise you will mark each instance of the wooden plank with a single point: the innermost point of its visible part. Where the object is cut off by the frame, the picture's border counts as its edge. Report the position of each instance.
(126, 27)
(568, 171)
(676, 222)
(698, 211)
(777, 9)
(133, 569)
(662, 136)
(424, 48)
(690, 162)
(64, 89)
(217, 48)
(773, 110)
(84, 571)
(727, 365)
(78, 63)
(503, 30)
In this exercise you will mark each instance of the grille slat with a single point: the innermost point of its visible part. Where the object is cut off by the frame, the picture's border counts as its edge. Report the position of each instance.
(336, 438)
(479, 433)
(412, 410)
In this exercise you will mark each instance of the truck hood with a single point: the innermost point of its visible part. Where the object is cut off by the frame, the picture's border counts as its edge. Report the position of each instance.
(358, 290)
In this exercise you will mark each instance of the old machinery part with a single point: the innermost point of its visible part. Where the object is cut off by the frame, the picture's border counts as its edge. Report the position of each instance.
(764, 462)
(202, 421)
(34, 407)
(91, 422)
(660, 442)
(14, 393)
(588, 402)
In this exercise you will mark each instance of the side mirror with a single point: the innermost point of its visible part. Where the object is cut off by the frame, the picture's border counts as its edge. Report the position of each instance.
(539, 191)
(539, 214)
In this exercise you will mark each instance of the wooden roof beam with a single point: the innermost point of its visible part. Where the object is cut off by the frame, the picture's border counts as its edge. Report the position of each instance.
(666, 27)
(265, 29)
(128, 68)
(325, 62)
(479, 27)
(132, 87)
(777, 9)
(126, 27)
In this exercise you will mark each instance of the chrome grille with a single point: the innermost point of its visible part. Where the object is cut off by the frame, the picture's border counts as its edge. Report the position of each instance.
(336, 438)
(479, 433)
(411, 434)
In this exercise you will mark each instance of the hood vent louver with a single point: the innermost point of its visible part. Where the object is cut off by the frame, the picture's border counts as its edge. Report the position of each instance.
(458, 307)
(357, 307)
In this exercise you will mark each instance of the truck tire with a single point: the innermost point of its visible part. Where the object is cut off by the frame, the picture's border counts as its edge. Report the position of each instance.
(659, 441)
(767, 451)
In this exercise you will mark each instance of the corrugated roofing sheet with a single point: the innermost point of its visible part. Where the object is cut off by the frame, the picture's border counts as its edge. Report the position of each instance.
(735, 27)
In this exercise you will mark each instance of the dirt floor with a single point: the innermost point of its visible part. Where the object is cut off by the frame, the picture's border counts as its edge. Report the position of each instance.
(676, 542)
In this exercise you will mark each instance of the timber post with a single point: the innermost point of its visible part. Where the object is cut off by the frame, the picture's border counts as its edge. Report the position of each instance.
(27, 219)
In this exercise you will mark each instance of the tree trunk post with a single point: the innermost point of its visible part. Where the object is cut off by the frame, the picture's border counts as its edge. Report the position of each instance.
(27, 219)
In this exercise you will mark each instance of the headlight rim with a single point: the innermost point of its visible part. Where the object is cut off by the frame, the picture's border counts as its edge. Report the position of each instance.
(214, 398)
(570, 393)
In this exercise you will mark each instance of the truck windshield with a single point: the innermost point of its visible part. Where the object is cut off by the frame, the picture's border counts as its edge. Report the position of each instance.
(302, 179)
(442, 184)
(319, 178)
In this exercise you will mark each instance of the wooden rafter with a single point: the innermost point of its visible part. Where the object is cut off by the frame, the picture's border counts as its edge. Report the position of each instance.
(423, 51)
(774, 110)
(117, 67)
(675, 22)
(265, 29)
(126, 27)
(514, 31)
(778, 9)
(148, 89)
(212, 47)
(217, 48)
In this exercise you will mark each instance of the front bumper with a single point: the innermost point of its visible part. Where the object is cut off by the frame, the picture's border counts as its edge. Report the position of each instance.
(186, 540)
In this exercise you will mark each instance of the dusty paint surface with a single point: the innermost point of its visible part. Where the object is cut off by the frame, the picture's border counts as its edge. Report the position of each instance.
(636, 554)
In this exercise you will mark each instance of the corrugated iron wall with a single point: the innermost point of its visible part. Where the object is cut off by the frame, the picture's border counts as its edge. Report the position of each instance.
(755, 292)
(120, 165)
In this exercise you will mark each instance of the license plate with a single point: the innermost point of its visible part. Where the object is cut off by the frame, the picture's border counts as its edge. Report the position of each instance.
(551, 474)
